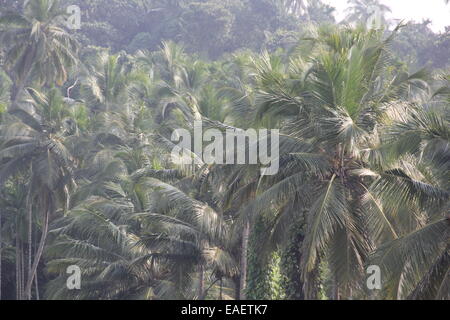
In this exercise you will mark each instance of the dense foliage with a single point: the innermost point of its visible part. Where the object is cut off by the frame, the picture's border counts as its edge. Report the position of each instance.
(87, 177)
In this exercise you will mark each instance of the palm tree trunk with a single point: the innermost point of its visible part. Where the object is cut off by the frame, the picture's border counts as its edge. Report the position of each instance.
(37, 287)
(244, 249)
(335, 289)
(1, 254)
(17, 273)
(30, 233)
(38, 255)
(30, 220)
(237, 284)
(18, 263)
(36, 278)
(22, 268)
(201, 283)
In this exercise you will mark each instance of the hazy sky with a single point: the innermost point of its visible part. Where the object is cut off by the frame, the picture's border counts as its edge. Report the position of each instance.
(435, 10)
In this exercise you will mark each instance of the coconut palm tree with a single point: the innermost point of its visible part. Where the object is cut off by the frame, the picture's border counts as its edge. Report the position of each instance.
(295, 7)
(33, 144)
(329, 110)
(37, 47)
(370, 11)
(14, 236)
(106, 82)
(154, 236)
(413, 193)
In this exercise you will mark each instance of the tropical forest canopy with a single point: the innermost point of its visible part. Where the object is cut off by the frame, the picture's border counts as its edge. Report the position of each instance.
(87, 178)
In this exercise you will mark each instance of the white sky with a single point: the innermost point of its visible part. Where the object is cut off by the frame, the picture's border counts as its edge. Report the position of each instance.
(435, 10)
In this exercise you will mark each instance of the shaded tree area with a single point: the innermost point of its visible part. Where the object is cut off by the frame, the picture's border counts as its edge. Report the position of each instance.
(417, 45)
(212, 27)
(208, 27)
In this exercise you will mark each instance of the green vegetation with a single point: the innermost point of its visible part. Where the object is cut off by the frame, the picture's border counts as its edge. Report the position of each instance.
(87, 178)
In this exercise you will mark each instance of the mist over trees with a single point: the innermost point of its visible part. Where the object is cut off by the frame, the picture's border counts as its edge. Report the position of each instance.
(87, 178)
(213, 28)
